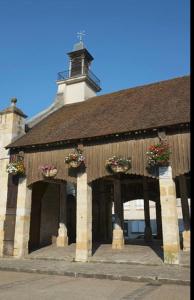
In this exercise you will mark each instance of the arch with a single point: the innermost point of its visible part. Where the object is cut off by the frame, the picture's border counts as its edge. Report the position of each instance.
(97, 154)
(135, 182)
(49, 204)
(55, 157)
(131, 189)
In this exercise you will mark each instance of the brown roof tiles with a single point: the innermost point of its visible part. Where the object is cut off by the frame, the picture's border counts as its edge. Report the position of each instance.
(155, 105)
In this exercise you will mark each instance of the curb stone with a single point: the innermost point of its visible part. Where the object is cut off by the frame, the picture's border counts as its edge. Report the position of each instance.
(150, 279)
(102, 261)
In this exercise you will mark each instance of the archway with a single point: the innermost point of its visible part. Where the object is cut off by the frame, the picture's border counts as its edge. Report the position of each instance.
(134, 219)
(53, 204)
(102, 200)
(132, 187)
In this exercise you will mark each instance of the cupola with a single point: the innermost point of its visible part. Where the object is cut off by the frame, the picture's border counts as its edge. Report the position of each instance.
(78, 83)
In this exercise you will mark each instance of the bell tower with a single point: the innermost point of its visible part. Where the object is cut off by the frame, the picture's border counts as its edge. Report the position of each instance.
(80, 60)
(78, 83)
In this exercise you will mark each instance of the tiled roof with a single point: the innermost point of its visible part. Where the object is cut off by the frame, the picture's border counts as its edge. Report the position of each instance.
(155, 105)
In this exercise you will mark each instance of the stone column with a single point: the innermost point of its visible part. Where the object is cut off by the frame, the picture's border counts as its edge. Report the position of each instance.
(185, 212)
(148, 229)
(158, 219)
(118, 236)
(62, 239)
(84, 219)
(22, 226)
(11, 126)
(3, 199)
(170, 229)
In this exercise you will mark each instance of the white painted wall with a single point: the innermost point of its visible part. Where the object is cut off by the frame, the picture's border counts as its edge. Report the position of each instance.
(72, 91)
(75, 93)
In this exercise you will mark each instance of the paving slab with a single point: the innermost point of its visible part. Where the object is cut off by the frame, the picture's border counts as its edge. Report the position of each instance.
(137, 252)
(169, 274)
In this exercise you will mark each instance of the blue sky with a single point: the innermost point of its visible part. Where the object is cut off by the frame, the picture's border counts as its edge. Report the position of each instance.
(133, 42)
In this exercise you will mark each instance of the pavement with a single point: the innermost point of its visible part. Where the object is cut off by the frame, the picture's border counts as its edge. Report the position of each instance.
(29, 286)
(162, 274)
(136, 262)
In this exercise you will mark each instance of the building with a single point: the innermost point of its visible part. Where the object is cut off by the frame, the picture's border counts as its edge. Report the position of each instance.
(134, 219)
(75, 205)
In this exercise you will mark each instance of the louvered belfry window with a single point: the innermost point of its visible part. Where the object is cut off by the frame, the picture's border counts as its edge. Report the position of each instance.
(76, 67)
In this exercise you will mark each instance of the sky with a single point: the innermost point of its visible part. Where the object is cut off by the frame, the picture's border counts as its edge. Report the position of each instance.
(133, 42)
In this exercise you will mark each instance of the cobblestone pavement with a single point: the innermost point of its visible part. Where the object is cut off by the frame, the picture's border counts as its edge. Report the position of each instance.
(135, 252)
(26, 286)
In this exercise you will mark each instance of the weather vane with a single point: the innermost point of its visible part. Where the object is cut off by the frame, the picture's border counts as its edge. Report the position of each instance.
(80, 35)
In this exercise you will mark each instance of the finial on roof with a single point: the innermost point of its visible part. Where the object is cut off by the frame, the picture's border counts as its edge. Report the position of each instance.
(13, 101)
(80, 44)
(80, 35)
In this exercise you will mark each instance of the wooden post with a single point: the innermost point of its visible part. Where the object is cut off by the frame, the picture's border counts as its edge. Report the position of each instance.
(109, 219)
(148, 229)
(62, 239)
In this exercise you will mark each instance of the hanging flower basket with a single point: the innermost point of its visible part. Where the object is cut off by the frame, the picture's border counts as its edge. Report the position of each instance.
(48, 171)
(118, 164)
(74, 164)
(75, 158)
(158, 155)
(16, 168)
(119, 169)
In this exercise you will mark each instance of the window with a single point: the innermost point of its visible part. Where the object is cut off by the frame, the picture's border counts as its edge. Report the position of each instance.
(137, 226)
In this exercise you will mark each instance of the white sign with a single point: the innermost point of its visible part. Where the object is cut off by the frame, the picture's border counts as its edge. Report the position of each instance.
(165, 172)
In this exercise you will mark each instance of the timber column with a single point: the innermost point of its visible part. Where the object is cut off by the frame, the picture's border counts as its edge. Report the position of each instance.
(103, 212)
(22, 227)
(118, 237)
(109, 219)
(84, 219)
(12, 124)
(148, 229)
(170, 229)
(185, 212)
(62, 239)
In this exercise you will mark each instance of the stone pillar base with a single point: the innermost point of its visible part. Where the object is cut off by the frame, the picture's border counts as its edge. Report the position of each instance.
(148, 234)
(118, 239)
(21, 250)
(62, 238)
(171, 254)
(62, 241)
(186, 240)
(83, 252)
